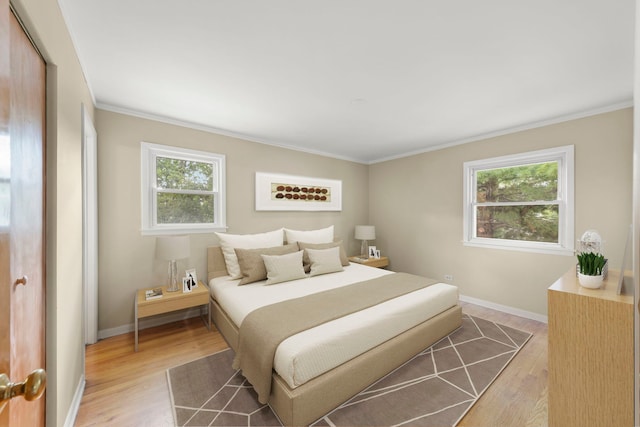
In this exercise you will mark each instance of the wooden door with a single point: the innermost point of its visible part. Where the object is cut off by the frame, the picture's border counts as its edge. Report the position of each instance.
(22, 289)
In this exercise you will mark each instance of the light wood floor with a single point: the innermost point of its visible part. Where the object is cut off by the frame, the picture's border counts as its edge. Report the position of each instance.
(518, 397)
(125, 388)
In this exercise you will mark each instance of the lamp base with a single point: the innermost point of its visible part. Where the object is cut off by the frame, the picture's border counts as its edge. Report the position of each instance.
(173, 277)
(364, 250)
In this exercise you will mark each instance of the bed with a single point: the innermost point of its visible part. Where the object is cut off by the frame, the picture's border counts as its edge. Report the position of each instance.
(300, 394)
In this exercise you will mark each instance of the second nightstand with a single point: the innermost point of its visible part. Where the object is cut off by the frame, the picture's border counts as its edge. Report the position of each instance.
(170, 301)
(381, 262)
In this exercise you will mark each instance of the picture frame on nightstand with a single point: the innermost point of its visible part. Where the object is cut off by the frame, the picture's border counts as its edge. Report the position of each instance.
(373, 252)
(186, 285)
(193, 276)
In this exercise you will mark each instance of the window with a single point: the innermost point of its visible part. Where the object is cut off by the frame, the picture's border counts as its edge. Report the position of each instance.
(182, 190)
(521, 202)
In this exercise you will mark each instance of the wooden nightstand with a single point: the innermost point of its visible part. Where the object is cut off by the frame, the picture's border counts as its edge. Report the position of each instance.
(381, 262)
(170, 301)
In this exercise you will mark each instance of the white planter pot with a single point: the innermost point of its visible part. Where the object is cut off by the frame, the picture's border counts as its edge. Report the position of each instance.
(591, 282)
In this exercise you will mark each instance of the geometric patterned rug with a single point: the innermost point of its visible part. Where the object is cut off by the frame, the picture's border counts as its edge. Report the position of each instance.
(435, 388)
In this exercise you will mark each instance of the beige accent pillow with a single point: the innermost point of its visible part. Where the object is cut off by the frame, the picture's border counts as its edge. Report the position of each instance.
(229, 242)
(305, 258)
(324, 261)
(251, 263)
(322, 235)
(283, 268)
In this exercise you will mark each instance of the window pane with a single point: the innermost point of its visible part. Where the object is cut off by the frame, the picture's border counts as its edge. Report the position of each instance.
(176, 174)
(526, 183)
(185, 209)
(528, 223)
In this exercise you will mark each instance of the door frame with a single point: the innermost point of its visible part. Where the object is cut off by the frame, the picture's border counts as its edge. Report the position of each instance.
(90, 227)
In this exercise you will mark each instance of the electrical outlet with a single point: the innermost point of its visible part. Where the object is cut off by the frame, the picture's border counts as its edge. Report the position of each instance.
(448, 277)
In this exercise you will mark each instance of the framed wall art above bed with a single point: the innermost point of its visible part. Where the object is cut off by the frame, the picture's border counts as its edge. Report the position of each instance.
(275, 192)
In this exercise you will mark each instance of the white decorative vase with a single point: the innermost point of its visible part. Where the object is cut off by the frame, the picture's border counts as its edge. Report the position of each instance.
(591, 282)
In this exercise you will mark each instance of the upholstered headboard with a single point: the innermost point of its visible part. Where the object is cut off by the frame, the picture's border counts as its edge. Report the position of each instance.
(216, 266)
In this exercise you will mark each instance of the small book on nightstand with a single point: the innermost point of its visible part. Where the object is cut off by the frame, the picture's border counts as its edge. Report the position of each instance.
(153, 293)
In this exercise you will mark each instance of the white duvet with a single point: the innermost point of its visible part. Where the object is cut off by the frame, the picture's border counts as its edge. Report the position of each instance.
(308, 354)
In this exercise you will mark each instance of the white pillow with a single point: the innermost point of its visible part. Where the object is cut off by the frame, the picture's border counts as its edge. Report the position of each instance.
(323, 235)
(283, 268)
(324, 261)
(228, 243)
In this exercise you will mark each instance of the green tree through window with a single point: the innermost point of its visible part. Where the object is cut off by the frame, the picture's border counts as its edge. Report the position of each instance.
(501, 213)
(185, 191)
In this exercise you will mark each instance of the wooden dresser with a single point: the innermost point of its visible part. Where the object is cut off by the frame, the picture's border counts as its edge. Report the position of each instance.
(590, 354)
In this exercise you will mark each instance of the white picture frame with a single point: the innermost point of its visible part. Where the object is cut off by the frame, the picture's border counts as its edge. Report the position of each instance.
(191, 274)
(186, 285)
(277, 192)
(373, 252)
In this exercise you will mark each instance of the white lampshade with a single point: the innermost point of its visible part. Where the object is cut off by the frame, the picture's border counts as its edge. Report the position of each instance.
(365, 232)
(171, 248)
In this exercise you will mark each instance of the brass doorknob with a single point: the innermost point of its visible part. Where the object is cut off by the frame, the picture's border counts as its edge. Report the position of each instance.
(31, 388)
(22, 281)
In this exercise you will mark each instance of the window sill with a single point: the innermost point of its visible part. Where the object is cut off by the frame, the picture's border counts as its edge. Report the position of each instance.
(550, 250)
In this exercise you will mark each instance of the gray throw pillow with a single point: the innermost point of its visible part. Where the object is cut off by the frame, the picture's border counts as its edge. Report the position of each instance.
(251, 264)
(305, 258)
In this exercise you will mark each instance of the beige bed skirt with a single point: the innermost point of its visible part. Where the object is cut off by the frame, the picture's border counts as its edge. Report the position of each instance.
(307, 403)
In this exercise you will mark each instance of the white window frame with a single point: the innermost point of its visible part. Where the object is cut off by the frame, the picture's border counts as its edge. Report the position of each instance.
(565, 157)
(148, 154)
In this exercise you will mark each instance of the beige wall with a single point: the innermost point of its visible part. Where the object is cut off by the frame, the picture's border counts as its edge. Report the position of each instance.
(416, 205)
(126, 258)
(66, 92)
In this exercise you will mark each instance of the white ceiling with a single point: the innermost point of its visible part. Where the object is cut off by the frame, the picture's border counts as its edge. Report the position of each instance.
(362, 80)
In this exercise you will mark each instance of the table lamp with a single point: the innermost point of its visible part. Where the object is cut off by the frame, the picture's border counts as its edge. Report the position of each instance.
(365, 233)
(172, 248)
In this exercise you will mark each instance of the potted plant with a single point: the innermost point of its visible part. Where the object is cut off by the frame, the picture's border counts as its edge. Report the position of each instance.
(590, 269)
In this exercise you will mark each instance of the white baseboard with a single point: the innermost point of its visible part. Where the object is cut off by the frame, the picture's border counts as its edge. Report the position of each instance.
(149, 323)
(70, 420)
(506, 309)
